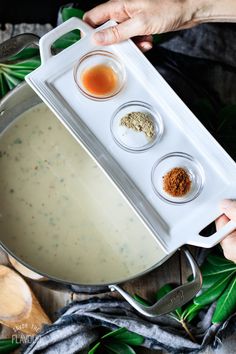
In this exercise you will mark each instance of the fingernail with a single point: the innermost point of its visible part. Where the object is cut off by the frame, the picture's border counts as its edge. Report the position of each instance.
(227, 203)
(146, 46)
(99, 37)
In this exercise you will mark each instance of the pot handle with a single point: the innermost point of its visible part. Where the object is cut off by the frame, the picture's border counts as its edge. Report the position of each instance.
(210, 241)
(16, 44)
(49, 38)
(174, 299)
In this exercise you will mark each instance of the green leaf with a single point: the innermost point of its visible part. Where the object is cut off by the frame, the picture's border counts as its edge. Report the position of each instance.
(95, 348)
(24, 54)
(17, 74)
(8, 345)
(12, 74)
(119, 348)
(7, 341)
(141, 300)
(210, 280)
(211, 270)
(220, 261)
(164, 290)
(11, 81)
(29, 64)
(190, 316)
(67, 40)
(191, 312)
(8, 348)
(226, 304)
(215, 269)
(3, 86)
(125, 336)
(212, 294)
(114, 333)
(73, 36)
(68, 12)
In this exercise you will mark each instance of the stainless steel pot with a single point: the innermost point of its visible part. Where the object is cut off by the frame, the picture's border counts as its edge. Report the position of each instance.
(18, 101)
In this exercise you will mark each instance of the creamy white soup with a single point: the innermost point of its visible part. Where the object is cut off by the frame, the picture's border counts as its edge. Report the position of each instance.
(58, 211)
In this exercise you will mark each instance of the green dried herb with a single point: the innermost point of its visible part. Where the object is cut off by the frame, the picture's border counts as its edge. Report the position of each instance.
(140, 122)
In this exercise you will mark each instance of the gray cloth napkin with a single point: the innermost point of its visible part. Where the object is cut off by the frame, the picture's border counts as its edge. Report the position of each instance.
(11, 30)
(207, 41)
(78, 327)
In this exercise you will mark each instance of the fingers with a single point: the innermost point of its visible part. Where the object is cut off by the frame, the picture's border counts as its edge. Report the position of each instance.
(228, 207)
(221, 221)
(144, 43)
(115, 34)
(229, 246)
(144, 46)
(110, 10)
(127, 27)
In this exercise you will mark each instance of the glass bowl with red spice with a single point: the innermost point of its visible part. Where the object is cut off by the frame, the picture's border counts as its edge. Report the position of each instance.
(100, 75)
(177, 178)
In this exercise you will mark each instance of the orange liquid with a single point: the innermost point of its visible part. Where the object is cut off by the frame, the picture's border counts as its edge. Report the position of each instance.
(100, 80)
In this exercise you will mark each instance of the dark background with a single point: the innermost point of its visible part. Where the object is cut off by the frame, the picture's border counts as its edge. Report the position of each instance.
(42, 11)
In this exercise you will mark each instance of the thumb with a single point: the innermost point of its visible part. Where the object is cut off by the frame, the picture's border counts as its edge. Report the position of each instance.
(228, 207)
(115, 34)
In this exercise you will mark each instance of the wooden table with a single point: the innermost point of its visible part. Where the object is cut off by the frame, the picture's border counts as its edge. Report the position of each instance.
(174, 270)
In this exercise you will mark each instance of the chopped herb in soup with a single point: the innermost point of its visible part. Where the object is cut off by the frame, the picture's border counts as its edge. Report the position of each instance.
(60, 213)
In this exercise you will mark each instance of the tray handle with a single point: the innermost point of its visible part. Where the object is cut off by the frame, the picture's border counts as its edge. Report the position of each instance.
(174, 299)
(49, 38)
(210, 241)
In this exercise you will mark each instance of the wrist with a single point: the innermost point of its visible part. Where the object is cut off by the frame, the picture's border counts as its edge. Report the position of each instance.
(213, 11)
(201, 10)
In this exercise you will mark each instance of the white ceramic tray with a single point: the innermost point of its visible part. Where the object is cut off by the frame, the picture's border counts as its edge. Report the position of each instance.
(89, 122)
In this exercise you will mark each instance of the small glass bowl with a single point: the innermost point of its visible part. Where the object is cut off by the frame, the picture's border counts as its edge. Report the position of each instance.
(189, 164)
(99, 57)
(129, 139)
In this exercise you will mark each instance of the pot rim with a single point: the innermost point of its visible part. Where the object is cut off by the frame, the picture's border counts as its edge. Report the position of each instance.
(15, 91)
(67, 282)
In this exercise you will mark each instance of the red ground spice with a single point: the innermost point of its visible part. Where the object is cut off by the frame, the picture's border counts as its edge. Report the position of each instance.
(176, 182)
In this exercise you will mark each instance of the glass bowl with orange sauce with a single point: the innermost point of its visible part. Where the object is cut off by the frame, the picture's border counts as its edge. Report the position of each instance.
(100, 75)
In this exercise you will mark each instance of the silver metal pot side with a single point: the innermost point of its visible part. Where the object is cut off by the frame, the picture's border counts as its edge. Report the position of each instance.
(11, 106)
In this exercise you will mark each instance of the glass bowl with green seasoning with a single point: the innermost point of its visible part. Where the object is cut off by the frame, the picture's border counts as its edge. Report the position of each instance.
(136, 126)
(177, 178)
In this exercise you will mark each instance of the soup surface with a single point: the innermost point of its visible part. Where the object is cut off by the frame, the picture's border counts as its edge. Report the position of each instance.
(58, 211)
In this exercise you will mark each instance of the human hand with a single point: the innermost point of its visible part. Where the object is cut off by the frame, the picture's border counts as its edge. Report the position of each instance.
(143, 18)
(228, 244)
